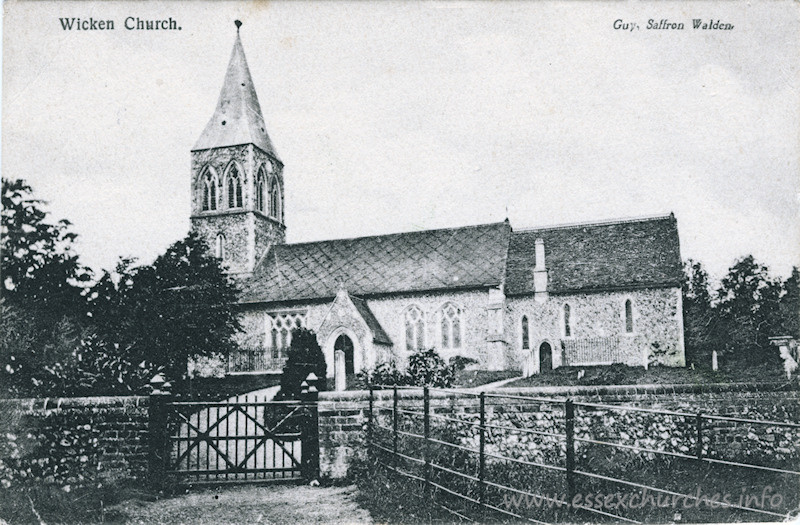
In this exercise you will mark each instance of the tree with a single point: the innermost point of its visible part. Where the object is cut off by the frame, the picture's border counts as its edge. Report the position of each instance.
(40, 269)
(699, 317)
(748, 310)
(161, 315)
(789, 307)
(305, 356)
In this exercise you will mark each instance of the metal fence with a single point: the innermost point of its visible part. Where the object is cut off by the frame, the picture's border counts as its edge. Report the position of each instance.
(481, 467)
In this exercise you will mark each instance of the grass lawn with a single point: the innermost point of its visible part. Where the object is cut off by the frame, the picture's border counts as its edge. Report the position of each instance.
(219, 388)
(659, 375)
(473, 378)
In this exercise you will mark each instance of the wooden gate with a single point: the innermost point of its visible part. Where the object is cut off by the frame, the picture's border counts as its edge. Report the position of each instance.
(239, 441)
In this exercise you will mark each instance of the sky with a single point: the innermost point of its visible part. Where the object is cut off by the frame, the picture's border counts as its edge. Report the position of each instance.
(399, 116)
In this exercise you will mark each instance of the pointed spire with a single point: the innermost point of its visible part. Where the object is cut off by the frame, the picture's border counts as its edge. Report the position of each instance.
(237, 119)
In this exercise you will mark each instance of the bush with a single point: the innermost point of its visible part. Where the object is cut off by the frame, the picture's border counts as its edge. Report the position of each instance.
(305, 356)
(385, 374)
(459, 362)
(427, 368)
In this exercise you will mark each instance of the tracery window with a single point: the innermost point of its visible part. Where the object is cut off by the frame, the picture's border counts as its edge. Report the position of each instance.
(450, 326)
(415, 329)
(279, 332)
(567, 321)
(210, 184)
(525, 336)
(628, 316)
(234, 188)
(261, 186)
(274, 199)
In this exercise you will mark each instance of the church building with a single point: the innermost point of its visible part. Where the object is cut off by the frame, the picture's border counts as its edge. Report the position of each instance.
(528, 299)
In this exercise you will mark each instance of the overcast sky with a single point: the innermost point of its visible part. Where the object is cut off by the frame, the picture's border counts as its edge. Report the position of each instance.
(401, 116)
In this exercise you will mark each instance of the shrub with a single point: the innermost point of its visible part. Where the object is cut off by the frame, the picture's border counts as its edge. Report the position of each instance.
(383, 374)
(427, 368)
(459, 362)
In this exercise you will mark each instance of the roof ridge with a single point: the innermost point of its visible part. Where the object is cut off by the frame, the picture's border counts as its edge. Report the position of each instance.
(606, 222)
(395, 234)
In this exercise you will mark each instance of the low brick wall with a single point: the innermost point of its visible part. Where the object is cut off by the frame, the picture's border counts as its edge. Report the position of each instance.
(343, 418)
(73, 441)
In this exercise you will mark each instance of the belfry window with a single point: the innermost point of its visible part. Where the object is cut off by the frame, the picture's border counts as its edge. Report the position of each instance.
(415, 329)
(210, 184)
(234, 188)
(567, 322)
(274, 199)
(260, 189)
(451, 326)
(628, 316)
(525, 336)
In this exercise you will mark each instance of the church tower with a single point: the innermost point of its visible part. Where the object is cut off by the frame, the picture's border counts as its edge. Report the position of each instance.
(237, 177)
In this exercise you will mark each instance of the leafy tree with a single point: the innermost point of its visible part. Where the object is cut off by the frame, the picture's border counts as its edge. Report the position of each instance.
(161, 315)
(789, 307)
(700, 322)
(305, 356)
(748, 300)
(40, 269)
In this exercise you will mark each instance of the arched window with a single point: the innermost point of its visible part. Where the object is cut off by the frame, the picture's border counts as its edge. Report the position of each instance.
(629, 316)
(234, 188)
(451, 326)
(210, 184)
(219, 247)
(525, 337)
(567, 325)
(261, 186)
(415, 329)
(274, 199)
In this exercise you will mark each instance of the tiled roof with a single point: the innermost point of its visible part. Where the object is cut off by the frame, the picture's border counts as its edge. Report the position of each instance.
(472, 256)
(379, 335)
(602, 256)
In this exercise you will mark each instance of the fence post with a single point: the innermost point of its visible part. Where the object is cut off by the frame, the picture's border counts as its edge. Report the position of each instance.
(482, 451)
(426, 401)
(158, 432)
(395, 417)
(370, 419)
(569, 411)
(699, 444)
(309, 460)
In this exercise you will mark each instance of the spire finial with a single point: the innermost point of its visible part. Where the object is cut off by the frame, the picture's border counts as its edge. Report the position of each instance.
(238, 25)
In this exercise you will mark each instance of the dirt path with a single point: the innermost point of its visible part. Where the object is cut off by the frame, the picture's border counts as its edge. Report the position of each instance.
(275, 504)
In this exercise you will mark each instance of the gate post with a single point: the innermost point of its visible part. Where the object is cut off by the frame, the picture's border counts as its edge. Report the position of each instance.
(309, 461)
(157, 432)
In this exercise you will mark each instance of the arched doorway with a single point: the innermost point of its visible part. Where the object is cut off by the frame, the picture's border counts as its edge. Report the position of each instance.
(545, 358)
(345, 345)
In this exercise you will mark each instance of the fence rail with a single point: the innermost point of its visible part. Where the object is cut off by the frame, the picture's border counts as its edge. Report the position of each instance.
(470, 481)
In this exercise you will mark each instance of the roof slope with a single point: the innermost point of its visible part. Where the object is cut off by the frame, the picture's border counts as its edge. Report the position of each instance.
(237, 118)
(603, 256)
(379, 335)
(472, 256)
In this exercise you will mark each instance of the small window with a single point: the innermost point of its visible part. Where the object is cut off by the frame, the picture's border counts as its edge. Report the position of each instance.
(234, 188)
(628, 316)
(219, 247)
(415, 329)
(525, 338)
(567, 325)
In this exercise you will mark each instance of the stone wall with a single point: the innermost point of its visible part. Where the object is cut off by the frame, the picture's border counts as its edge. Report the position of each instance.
(344, 415)
(73, 441)
(657, 324)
